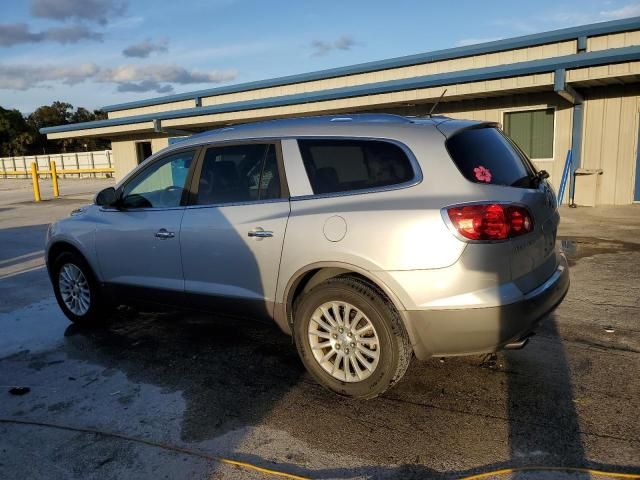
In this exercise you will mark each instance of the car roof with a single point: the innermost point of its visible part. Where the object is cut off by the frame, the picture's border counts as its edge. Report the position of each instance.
(357, 125)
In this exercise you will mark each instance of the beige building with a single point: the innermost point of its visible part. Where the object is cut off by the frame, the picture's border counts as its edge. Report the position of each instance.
(574, 89)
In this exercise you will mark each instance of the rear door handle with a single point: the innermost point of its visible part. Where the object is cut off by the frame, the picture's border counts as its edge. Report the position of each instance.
(163, 234)
(260, 233)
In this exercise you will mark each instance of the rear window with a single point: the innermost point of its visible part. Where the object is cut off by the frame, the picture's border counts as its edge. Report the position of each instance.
(486, 155)
(347, 165)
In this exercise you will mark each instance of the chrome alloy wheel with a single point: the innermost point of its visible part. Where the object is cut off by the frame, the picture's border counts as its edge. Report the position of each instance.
(74, 289)
(344, 341)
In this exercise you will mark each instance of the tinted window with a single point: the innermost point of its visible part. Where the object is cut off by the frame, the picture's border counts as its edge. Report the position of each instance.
(239, 173)
(343, 165)
(485, 155)
(532, 131)
(160, 185)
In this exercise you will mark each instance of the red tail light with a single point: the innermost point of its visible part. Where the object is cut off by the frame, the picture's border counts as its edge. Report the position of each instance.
(491, 221)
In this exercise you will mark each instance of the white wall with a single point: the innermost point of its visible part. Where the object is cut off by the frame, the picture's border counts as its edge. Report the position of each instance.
(70, 161)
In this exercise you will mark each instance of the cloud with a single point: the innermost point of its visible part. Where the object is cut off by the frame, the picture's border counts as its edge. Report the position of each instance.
(321, 47)
(71, 34)
(473, 41)
(145, 48)
(566, 18)
(127, 78)
(164, 73)
(145, 86)
(582, 17)
(627, 11)
(100, 11)
(17, 33)
(23, 77)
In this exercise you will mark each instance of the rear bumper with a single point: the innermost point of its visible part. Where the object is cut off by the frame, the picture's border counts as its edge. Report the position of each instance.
(482, 330)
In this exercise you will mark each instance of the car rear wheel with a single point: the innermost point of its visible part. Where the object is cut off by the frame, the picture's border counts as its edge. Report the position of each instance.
(77, 291)
(351, 338)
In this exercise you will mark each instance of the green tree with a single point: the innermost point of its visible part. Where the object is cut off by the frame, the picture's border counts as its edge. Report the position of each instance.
(62, 113)
(21, 136)
(13, 133)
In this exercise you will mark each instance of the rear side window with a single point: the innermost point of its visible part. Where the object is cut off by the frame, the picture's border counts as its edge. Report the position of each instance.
(347, 165)
(486, 155)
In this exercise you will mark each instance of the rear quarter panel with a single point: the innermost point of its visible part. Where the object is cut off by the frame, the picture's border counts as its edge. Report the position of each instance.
(390, 230)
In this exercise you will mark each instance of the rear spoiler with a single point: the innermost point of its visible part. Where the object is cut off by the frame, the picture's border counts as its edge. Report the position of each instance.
(449, 128)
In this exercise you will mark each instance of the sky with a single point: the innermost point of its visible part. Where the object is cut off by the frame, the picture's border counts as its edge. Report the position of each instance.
(93, 53)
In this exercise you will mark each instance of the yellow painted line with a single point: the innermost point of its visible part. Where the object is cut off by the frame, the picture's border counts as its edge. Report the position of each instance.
(506, 471)
(290, 476)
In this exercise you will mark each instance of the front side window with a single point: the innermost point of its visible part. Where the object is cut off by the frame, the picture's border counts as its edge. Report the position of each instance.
(347, 165)
(239, 173)
(532, 131)
(160, 185)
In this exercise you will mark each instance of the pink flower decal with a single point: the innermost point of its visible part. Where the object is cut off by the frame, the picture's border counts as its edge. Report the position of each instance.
(483, 174)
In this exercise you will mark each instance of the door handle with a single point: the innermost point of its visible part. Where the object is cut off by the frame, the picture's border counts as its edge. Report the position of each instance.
(260, 233)
(163, 234)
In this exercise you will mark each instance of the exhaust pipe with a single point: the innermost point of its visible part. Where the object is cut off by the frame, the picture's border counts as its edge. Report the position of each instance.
(519, 344)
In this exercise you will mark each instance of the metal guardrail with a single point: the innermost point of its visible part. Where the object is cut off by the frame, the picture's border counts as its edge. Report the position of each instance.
(53, 172)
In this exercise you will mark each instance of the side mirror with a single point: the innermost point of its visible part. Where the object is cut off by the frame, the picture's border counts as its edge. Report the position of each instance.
(107, 197)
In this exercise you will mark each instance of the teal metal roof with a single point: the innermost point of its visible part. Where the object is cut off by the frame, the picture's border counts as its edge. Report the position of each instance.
(578, 60)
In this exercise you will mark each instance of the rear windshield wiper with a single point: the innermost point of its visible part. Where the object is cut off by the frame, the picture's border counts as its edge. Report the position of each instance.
(531, 180)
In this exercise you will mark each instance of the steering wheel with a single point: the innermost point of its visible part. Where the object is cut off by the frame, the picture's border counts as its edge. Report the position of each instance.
(170, 195)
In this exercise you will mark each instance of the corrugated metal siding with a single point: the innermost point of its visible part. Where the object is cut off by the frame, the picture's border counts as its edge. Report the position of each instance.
(604, 71)
(615, 40)
(610, 140)
(163, 107)
(487, 60)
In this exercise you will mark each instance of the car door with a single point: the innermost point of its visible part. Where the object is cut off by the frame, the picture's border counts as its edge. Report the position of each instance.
(233, 230)
(138, 242)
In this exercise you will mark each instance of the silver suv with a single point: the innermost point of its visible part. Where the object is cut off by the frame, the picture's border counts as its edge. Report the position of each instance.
(368, 238)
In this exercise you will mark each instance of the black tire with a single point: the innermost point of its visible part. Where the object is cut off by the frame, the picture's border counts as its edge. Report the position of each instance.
(395, 348)
(99, 307)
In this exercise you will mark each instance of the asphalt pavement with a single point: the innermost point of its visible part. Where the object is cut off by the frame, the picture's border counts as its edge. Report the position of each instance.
(166, 395)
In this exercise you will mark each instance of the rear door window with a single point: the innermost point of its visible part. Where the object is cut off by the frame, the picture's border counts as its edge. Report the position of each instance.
(239, 173)
(348, 165)
(486, 155)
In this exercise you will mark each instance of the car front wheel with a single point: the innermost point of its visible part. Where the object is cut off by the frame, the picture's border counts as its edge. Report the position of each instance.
(77, 291)
(351, 338)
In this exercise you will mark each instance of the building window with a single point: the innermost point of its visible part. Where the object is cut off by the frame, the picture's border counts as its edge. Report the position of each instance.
(532, 130)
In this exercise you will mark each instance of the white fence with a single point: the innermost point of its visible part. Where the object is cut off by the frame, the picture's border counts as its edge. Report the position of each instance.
(68, 161)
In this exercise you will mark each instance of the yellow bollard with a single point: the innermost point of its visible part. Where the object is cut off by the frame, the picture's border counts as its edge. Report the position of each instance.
(36, 185)
(54, 179)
